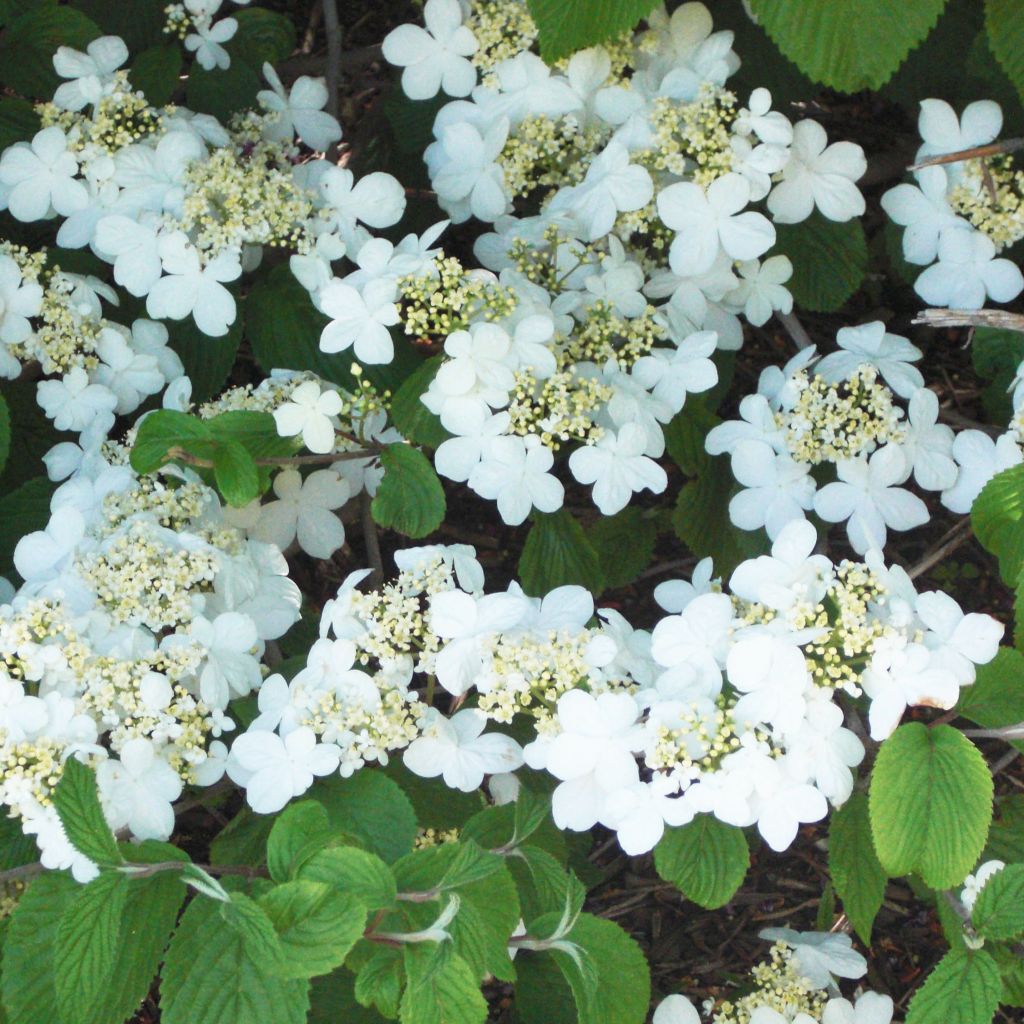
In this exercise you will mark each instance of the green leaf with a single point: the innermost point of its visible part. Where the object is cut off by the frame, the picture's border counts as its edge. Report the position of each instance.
(263, 36)
(284, 327)
(441, 988)
(557, 552)
(233, 985)
(706, 860)
(380, 982)
(412, 419)
(30, 41)
(253, 926)
(85, 955)
(317, 926)
(624, 544)
(452, 812)
(299, 831)
(22, 511)
(858, 876)
(996, 519)
(829, 261)
(333, 1001)
(999, 910)
(29, 992)
(139, 24)
(930, 804)
(5, 433)
(18, 121)
(155, 72)
(78, 806)
(16, 848)
(847, 45)
(701, 521)
(996, 698)
(372, 808)
(1011, 967)
(244, 840)
(569, 25)
(166, 429)
(238, 479)
(543, 995)
(610, 979)
(358, 872)
(222, 92)
(35, 435)
(963, 989)
(685, 435)
(410, 498)
(544, 885)
(1006, 38)
(1006, 837)
(208, 361)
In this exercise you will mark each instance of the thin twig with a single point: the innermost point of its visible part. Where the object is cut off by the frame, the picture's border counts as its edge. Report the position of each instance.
(315, 17)
(332, 29)
(180, 455)
(950, 541)
(974, 153)
(970, 318)
(372, 542)
(795, 330)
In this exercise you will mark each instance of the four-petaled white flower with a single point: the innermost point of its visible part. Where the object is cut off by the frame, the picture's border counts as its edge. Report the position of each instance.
(309, 412)
(137, 790)
(434, 58)
(40, 176)
(304, 511)
(91, 73)
(617, 467)
(275, 769)
(360, 320)
(19, 300)
(299, 112)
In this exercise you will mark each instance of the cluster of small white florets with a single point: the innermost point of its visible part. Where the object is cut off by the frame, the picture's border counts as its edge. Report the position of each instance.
(730, 706)
(180, 206)
(959, 216)
(192, 22)
(796, 983)
(639, 262)
(143, 613)
(842, 410)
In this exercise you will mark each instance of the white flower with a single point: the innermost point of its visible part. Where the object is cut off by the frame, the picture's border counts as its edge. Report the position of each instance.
(308, 412)
(91, 73)
(274, 770)
(133, 246)
(457, 457)
(477, 375)
(697, 639)
(206, 41)
(973, 884)
(299, 112)
(783, 803)
(674, 595)
(360, 320)
(871, 1008)
(943, 132)
(777, 489)
(455, 749)
(924, 212)
(434, 58)
(131, 376)
(19, 299)
(617, 467)
(73, 403)
(638, 813)
(705, 220)
(821, 954)
(823, 751)
(771, 673)
(465, 173)
(376, 200)
(676, 1010)
(43, 555)
(793, 573)
(818, 176)
(927, 444)
(305, 511)
(191, 287)
(866, 494)
(515, 472)
(870, 345)
(967, 271)
(137, 791)
(41, 176)
(670, 374)
(231, 668)
(760, 291)
(979, 458)
(958, 641)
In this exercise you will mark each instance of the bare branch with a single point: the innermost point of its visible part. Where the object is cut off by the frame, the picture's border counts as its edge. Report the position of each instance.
(1000, 318)
(974, 153)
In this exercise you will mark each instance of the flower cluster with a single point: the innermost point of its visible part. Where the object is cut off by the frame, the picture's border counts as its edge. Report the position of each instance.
(623, 250)
(796, 982)
(192, 22)
(142, 615)
(959, 216)
(732, 706)
(841, 411)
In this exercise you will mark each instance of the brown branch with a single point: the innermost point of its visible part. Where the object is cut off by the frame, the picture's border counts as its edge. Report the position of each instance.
(947, 544)
(371, 540)
(974, 153)
(332, 29)
(180, 455)
(1000, 318)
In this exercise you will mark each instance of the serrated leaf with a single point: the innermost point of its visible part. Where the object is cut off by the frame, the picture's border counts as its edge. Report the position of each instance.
(250, 922)
(139, 24)
(372, 808)
(379, 982)
(244, 839)
(930, 804)
(706, 860)
(543, 995)
(568, 25)
(829, 261)
(1011, 968)
(999, 910)
(233, 984)
(452, 812)
(557, 552)
(410, 498)
(263, 37)
(333, 1001)
(412, 419)
(18, 121)
(166, 429)
(155, 72)
(544, 885)
(685, 435)
(222, 92)
(358, 872)
(5, 433)
(996, 698)
(963, 989)
(85, 954)
(16, 848)
(30, 41)
(1006, 38)
(858, 876)
(29, 993)
(317, 926)
(847, 45)
(440, 989)
(624, 544)
(996, 519)
(235, 472)
(208, 361)
(299, 831)
(1006, 836)
(23, 510)
(77, 802)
